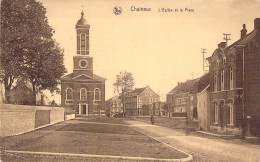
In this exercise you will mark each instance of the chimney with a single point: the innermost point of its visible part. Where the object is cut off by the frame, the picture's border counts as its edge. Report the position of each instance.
(222, 45)
(243, 31)
(257, 23)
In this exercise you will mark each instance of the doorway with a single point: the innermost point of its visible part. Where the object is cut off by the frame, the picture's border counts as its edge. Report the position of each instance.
(83, 109)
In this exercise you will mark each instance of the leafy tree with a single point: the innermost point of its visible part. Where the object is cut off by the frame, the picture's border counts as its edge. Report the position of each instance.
(124, 83)
(28, 51)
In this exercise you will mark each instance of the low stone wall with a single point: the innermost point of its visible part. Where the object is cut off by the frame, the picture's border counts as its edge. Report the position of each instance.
(69, 116)
(17, 119)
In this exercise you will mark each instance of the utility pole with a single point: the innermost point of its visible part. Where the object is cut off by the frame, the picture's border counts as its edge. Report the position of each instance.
(205, 63)
(226, 38)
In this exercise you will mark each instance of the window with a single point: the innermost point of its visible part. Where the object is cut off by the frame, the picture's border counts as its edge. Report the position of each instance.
(69, 95)
(83, 41)
(230, 114)
(215, 82)
(140, 99)
(97, 93)
(146, 94)
(231, 78)
(222, 77)
(83, 94)
(151, 99)
(83, 63)
(215, 113)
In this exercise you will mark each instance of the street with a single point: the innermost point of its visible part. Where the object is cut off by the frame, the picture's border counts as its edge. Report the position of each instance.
(91, 139)
(202, 149)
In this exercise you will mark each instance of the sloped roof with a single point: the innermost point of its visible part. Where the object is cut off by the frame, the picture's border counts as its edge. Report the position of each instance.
(138, 90)
(194, 85)
(245, 40)
(113, 98)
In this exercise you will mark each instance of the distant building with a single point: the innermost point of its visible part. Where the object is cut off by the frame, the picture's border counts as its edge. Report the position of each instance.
(114, 106)
(83, 91)
(22, 94)
(158, 108)
(139, 101)
(182, 100)
(235, 84)
(203, 106)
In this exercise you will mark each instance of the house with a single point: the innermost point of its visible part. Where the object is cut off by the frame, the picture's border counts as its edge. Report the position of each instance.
(182, 100)
(235, 84)
(114, 106)
(22, 94)
(158, 108)
(203, 107)
(138, 102)
(83, 91)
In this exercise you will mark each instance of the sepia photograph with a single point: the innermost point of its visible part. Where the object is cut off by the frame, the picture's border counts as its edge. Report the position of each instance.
(130, 80)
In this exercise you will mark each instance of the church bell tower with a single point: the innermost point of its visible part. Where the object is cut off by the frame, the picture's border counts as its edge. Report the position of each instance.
(83, 63)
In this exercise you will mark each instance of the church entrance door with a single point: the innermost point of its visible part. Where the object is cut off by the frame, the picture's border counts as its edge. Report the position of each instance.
(83, 109)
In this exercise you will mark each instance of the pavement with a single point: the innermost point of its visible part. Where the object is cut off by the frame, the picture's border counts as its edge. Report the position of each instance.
(110, 139)
(90, 140)
(202, 149)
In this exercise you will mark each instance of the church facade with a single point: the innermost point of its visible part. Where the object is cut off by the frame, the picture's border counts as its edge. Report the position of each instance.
(83, 91)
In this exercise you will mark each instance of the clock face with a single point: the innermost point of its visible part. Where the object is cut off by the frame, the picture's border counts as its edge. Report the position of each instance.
(83, 63)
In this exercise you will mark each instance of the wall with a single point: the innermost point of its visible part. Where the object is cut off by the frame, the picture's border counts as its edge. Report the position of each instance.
(203, 106)
(17, 119)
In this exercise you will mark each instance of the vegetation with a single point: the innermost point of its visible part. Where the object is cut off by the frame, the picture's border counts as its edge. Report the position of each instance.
(28, 51)
(124, 83)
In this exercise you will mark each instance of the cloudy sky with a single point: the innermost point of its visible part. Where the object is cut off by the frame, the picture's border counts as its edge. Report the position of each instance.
(160, 49)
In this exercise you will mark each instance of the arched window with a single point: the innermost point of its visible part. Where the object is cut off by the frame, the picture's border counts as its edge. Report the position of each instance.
(83, 94)
(97, 94)
(69, 95)
(83, 41)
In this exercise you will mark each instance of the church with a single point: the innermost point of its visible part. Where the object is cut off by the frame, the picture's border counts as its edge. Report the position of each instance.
(83, 91)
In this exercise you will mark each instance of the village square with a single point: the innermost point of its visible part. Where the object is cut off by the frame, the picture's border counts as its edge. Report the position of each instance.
(62, 105)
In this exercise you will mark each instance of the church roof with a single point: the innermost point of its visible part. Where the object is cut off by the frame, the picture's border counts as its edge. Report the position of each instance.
(83, 77)
(82, 20)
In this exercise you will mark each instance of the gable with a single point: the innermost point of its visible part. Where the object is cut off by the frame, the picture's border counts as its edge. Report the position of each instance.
(82, 77)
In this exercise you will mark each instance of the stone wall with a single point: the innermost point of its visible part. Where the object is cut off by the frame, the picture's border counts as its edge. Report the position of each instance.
(17, 119)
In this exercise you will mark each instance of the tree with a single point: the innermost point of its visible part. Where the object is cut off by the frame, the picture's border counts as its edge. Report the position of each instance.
(28, 51)
(124, 83)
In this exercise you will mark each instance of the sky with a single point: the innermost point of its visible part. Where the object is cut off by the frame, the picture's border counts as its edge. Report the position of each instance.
(160, 49)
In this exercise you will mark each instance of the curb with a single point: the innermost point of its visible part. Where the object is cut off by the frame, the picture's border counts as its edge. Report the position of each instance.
(217, 135)
(71, 155)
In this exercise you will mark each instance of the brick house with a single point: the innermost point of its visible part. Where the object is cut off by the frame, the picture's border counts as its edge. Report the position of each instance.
(235, 84)
(158, 108)
(182, 100)
(138, 102)
(83, 91)
(114, 106)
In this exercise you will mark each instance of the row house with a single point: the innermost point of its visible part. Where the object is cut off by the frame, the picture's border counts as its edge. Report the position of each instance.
(182, 100)
(138, 102)
(235, 84)
(114, 106)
